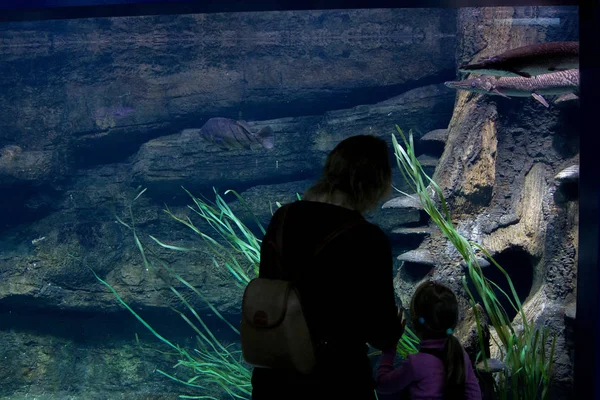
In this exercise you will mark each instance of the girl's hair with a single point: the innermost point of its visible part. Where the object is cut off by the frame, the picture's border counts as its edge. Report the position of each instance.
(434, 313)
(357, 174)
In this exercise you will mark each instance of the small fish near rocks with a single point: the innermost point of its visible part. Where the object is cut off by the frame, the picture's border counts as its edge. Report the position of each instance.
(230, 134)
(567, 99)
(569, 174)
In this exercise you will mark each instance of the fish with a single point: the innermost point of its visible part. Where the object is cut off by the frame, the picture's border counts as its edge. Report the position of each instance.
(527, 61)
(569, 174)
(566, 98)
(232, 134)
(555, 83)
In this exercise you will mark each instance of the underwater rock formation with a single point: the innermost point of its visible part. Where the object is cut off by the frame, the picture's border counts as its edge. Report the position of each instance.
(497, 174)
(437, 136)
(469, 333)
(44, 264)
(433, 142)
(418, 257)
(86, 356)
(166, 163)
(483, 263)
(83, 224)
(114, 83)
(105, 116)
(87, 92)
(428, 162)
(18, 166)
(569, 174)
(47, 264)
(403, 202)
(419, 231)
(262, 199)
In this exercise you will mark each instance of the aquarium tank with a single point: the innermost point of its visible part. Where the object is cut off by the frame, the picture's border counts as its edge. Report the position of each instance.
(142, 155)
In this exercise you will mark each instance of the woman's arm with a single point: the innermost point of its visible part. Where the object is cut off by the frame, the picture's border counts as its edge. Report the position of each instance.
(384, 326)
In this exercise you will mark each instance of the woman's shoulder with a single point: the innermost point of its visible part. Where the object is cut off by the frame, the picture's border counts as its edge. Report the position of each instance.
(375, 233)
(313, 212)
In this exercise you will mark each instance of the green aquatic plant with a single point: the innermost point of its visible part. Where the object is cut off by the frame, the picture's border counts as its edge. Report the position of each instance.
(528, 369)
(210, 362)
(408, 343)
(241, 241)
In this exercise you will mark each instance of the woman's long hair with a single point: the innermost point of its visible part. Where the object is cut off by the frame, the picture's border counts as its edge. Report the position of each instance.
(434, 313)
(357, 174)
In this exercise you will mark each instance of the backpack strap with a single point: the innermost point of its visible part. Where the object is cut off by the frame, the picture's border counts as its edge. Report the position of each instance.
(278, 247)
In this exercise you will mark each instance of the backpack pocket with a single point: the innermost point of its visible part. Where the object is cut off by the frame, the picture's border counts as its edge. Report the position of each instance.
(274, 332)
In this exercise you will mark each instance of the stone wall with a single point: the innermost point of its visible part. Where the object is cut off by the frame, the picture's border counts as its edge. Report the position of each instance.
(499, 173)
(92, 110)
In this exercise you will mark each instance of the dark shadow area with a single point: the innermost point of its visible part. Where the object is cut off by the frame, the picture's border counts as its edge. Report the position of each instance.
(91, 327)
(43, 10)
(24, 203)
(414, 272)
(567, 191)
(432, 148)
(518, 264)
(171, 193)
(566, 137)
(403, 243)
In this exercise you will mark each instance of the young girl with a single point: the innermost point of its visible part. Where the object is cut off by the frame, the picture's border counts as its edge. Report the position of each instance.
(441, 369)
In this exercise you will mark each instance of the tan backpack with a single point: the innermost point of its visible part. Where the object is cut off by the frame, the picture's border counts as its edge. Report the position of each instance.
(274, 332)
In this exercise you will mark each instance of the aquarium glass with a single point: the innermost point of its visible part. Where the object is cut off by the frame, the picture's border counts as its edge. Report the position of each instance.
(142, 157)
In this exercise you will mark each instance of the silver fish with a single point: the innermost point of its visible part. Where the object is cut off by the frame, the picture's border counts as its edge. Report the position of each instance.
(555, 83)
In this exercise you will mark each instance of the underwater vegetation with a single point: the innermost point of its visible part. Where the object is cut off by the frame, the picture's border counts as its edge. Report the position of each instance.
(95, 107)
(528, 357)
(212, 362)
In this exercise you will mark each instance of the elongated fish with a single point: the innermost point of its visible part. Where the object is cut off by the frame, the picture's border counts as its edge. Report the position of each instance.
(555, 83)
(527, 61)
